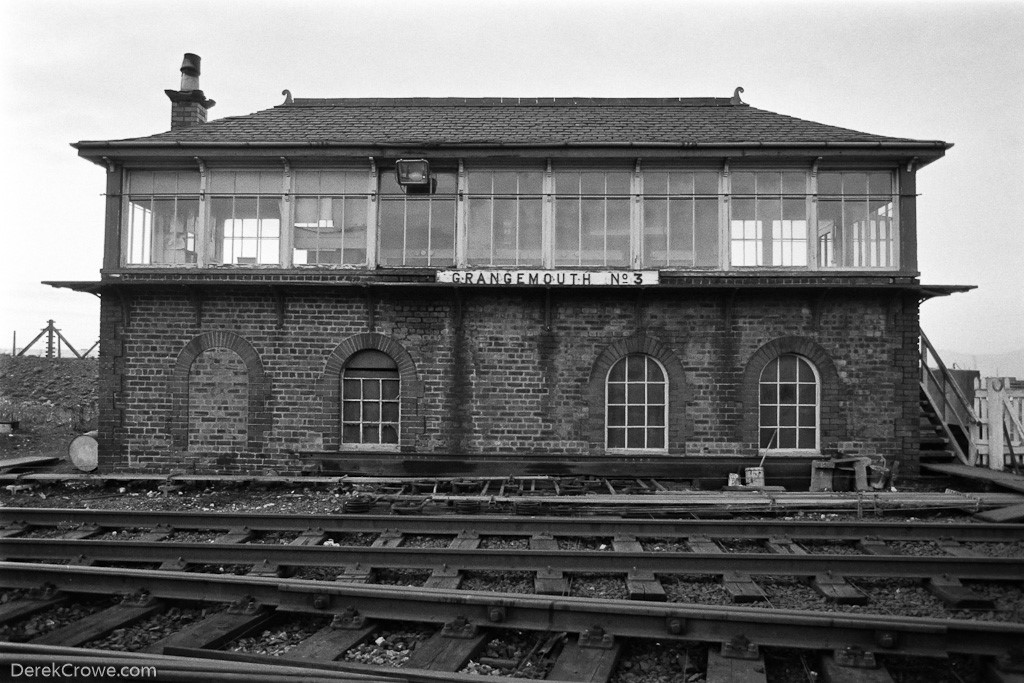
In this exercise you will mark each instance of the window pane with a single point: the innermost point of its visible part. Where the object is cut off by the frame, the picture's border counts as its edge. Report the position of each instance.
(830, 183)
(768, 183)
(442, 248)
(636, 369)
(787, 438)
(616, 416)
(618, 372)
(350, 433)
(618, 183)
(567, 238)
(388, 434)
(371, 412)
(743, 183)
(616, 438)
(505, 183)
(352, 388)
(794, 183)
(880, 183)
(389, 389)
(635, 393)
(855, 183)
(656, 393)
(635, 437)
(392, 232)
(351, 412)
(655, 438)
(705, 183)
(530, 232)
(371, 433)
(655, 182)
(656, 416)
(706, 232)
(616, 393)
(635, 416)
(807, 438)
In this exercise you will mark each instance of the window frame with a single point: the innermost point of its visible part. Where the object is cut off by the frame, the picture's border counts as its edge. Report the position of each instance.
(626, 450)
(393, 375)
(777, 451)
(817, 242)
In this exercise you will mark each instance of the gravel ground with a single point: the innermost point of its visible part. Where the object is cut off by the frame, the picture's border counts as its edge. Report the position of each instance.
(188, 536)
(426, 541)
(122, 534)
(361, 539)
(997, 549)
(1008, 597)
(661, 545)
(391, 647)
(741, 545)
(700, 590)
(51, 619)
(830, 547)
(604, 586)
(503, 655)
(400, 577)
(915, 548)
(499, 582)
(317, 573)
(505, 542)
(646, 661)
(274, 537)
(144, 633)
(585, 543)
(279, 639)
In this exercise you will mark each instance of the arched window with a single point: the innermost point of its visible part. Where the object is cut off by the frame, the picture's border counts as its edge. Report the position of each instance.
(789, 404)
(370, 399)
(636, 402)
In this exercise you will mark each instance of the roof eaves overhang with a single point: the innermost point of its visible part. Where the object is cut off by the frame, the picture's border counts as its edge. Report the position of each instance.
(921, 151)
(923, 292)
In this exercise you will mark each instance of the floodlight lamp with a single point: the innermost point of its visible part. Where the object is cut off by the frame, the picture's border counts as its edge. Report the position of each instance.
(413, 174)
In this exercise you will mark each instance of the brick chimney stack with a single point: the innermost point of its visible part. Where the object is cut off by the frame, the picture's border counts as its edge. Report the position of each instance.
(189, 104)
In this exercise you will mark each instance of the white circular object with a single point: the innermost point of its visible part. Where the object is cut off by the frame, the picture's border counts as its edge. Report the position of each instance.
(84, 452)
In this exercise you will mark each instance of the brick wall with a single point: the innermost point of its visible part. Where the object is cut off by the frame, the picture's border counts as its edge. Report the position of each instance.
(218, 402)
(486, 371)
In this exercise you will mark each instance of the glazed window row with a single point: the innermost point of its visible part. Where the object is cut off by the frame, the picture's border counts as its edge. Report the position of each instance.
(636, 404)
(568, 218)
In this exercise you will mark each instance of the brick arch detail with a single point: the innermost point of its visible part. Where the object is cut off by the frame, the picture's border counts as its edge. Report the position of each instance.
(678, 389)
(411, 396)
(258, 421)
(832, 428)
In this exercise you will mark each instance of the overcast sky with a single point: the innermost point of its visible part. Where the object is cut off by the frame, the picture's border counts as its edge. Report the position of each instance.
(93, 70)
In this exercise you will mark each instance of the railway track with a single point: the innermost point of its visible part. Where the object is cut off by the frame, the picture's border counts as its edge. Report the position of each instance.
(264, 563)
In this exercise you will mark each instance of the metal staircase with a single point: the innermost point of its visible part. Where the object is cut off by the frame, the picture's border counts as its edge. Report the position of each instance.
(947, 417)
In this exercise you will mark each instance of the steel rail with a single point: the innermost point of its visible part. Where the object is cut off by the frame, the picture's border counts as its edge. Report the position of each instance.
(586, 561)
(512, 525)
(619, 618)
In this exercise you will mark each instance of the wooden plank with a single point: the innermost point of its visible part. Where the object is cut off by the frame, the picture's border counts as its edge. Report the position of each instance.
(835, 588)
(642, 585)
(13, 530)
(214, 631)
(272, 569)
(446, 653)
(329, 643)
(22, 607)
(1012, 513)
(946, 588)
(449, 578)
(550, 581)
(731, 670)
(99, 624)
(952, 592)
(27, 461)
(577, 663)
(738, 585)
(1006, 480)
(833, 672)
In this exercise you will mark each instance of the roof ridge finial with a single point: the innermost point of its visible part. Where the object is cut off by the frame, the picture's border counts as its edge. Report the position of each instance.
(736, 96)
(287, 96)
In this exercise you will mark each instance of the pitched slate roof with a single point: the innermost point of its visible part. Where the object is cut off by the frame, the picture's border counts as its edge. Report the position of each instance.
(513, 122)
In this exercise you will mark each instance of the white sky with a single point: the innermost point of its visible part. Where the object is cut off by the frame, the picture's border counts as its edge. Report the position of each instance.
(96, 69)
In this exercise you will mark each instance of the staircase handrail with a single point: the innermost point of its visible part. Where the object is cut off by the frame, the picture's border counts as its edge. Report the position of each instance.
(963, 414)
(1008, 411)
(947, 379)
